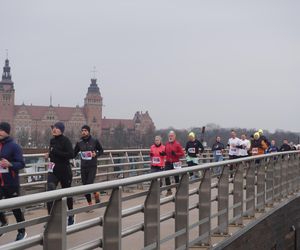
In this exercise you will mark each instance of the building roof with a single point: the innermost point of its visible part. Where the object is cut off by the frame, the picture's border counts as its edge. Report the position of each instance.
(112, 123)
(38, 112)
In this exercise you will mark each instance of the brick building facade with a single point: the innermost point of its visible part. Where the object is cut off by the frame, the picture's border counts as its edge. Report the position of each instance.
(31, 124)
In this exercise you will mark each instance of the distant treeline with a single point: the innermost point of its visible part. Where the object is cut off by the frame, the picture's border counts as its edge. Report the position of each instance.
(122, 138)
(210, 135)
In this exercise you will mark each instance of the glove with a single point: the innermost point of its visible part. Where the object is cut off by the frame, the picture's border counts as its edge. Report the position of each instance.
(163, 153)
(173, 153)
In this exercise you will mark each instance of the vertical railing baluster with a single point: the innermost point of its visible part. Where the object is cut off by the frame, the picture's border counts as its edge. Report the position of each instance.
(290, 174)
(270, 181)
(55, 230)
(205, 208)
(223, 193)
(182, 212)
(284, 183)
(261, 185)
(250, 188)
(112, 223)
(238, 190)
(152, 215)
(277, 179)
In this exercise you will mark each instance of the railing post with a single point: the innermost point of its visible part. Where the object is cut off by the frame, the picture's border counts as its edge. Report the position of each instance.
(152, 216)
(277, 179)
(270, 181)
(284, 171)
(238, 190)
(290, 172)
(112, 224)
(295, 172)
(250, 188)
(205, 208)
(261, 185)
(140, 166)
(182, 212)
(55, 230)
(223, 193)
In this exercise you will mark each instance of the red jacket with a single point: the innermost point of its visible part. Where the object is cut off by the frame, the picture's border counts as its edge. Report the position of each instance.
(176, 148)
(158, 160)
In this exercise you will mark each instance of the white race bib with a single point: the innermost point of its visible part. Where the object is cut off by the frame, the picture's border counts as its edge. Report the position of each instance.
(192, 150)
(218, 152)
(155, 160)
(86, 155)
(177, 165)
(51, 166)
(3, 170)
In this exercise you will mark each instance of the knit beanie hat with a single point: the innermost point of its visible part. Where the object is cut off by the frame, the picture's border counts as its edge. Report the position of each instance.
(86, 127)
(60, 126)
(4, 126)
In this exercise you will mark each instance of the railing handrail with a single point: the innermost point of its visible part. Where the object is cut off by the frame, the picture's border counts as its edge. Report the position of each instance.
(80, 190)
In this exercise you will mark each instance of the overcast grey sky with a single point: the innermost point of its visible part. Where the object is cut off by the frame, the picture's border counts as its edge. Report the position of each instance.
(189, 63)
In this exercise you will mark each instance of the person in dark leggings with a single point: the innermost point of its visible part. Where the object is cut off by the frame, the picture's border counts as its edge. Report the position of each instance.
(59, 168)
(174, 152)
(11, 161)
(192, 150)
(89, 148)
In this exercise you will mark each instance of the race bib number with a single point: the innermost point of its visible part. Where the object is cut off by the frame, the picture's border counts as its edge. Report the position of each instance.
(155, 160)
(254, 151)
(86, 155)
(192, 150)
(177, 165)
(233, 150)
(3, 170)
(218, 152)
(51, 166)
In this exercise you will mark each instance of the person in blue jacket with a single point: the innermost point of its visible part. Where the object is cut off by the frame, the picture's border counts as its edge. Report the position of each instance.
(11, 162)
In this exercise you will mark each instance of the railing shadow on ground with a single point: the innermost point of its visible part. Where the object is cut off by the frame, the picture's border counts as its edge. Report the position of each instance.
(198, 212)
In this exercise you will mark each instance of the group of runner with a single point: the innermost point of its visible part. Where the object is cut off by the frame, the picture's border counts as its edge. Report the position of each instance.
(167, 157)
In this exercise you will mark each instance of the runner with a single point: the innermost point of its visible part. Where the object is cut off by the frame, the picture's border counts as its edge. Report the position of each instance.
(11, 162)
(233, 144)
(258, 146)
(261, 134)
(192, 149)
(285, 146)
(174, 152)
(59, 168)
(244, 146)
(157, 156)
(218, 150)
(273, 148)
(89, 148)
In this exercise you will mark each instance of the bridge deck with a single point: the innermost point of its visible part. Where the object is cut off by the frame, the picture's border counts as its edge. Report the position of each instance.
(131, 242)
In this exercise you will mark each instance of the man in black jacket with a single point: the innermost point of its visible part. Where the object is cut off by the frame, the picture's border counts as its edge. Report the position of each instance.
(89, 148)
(285, 146)
(59, 168)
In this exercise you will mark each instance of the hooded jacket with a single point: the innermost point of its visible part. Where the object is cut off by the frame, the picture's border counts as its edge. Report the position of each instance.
(12, 152)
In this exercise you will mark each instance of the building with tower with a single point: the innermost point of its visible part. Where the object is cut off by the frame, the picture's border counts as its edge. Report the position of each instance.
(31, 124)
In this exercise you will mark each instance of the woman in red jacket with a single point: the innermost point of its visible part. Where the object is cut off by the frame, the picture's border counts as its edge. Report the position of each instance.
(157, 155)
(174, 152)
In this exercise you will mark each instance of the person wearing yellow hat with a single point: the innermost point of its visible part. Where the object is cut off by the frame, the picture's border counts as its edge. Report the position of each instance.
(263, 137)
(258, 146)
(193, 148)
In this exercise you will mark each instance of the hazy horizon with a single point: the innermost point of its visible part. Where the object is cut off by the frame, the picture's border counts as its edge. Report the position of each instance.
(233, 63)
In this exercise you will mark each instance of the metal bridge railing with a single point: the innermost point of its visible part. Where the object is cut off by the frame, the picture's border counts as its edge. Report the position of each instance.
(244, 186)
(112, 165)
